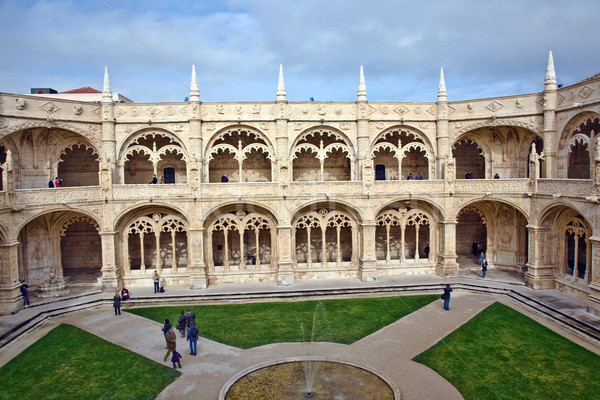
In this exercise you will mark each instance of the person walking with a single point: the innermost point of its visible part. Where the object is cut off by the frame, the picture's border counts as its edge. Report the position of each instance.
(192, 337)
(117, 303)
(166, 326)
(191, 318)
(176, 359)
(484, 266)
(446, 296)
(182, 323)
(171, 339)
(24, 292)
(156, 278)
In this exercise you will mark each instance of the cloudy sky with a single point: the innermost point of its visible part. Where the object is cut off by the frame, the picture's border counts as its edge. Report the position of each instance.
(486, 47)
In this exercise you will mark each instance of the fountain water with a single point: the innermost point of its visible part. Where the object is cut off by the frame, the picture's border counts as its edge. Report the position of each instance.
(320, 332)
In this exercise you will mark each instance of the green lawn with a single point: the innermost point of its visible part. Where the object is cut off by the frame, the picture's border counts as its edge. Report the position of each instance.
(502, 354)
(69, 363)
(255, 324)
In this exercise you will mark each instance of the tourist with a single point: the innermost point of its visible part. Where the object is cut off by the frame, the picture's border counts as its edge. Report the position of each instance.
(156, 278)
(484, 266)
(182, 323)
(466, 174)
(426, 250)
(192, 337)
(410, 177)
(419, 177)
(496, 176)
(154, 180)
(446, 296)
(24, 292)
(117, 303)
(171, 339)
(176, 359)
(481, 259)
(162, 179)
(50, 183)
(60, 182)
(474, 247)
(191, 318)
(57, 182)
(224, 179)
(125, 294)
(470, 175)
(166, 326)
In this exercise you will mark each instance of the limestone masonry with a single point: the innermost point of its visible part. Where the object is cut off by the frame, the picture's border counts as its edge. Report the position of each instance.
(284, 191)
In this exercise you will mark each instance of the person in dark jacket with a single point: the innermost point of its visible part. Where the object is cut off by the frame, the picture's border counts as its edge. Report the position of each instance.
(182, 323)
(191, 318)
(176, 359)
(166, 326)
(484, 266)
(117, 303)
(24, 292)
(447, 291)
(192, 337)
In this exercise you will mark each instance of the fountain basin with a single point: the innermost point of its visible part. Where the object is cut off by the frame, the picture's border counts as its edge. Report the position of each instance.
(285, 380)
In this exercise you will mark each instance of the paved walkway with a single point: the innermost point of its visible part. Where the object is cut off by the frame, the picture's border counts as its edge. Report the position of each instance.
(387, 352)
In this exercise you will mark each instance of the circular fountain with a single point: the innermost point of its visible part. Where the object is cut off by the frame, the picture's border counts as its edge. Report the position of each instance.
(308, 378)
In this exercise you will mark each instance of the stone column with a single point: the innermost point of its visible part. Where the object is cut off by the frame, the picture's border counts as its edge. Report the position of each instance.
(441, 127)
(112, 278)
(10, 295)
(593, 300)
(367, 269)
(550, 134)
(538, 275)
(446, 262)
(196, 263)
(285, 272)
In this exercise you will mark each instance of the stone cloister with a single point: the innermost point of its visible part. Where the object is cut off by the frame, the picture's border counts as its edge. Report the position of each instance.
(284, 191)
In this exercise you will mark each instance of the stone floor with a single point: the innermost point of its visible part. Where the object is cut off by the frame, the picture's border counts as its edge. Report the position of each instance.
(387, 352)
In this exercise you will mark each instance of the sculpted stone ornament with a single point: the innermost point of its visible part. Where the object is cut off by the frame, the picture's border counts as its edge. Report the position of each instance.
(20, 103)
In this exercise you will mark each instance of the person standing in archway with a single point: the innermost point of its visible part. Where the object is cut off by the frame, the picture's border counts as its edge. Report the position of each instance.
(474, 247)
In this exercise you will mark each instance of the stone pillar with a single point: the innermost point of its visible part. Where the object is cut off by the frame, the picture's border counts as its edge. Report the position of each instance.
(195, 161)
(593, 300)
(550, 134)
(441, 127)
(446, 261)
(285, 270)
(197, 266)
(112, 278)
(367, 269)
(539, 275)
(10, 295)
(282, 144)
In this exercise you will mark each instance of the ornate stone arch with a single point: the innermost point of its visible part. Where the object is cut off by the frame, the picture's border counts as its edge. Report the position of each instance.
(241, 153)
(321, 144)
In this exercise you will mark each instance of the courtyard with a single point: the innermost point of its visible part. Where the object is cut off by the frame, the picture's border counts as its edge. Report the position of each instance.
(387, 352)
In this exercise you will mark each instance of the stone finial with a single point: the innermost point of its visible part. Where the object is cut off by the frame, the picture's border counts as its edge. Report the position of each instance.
(194, 91)
(362, 87)
(550, 80)
(106, 91)
(281, 93)
(441, 93)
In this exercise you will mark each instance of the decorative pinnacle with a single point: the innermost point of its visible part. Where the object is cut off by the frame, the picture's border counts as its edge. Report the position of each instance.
(362, 87)
(550, 80)
(106, 91)
(194, 91)
(442, 95)
(281, 93)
